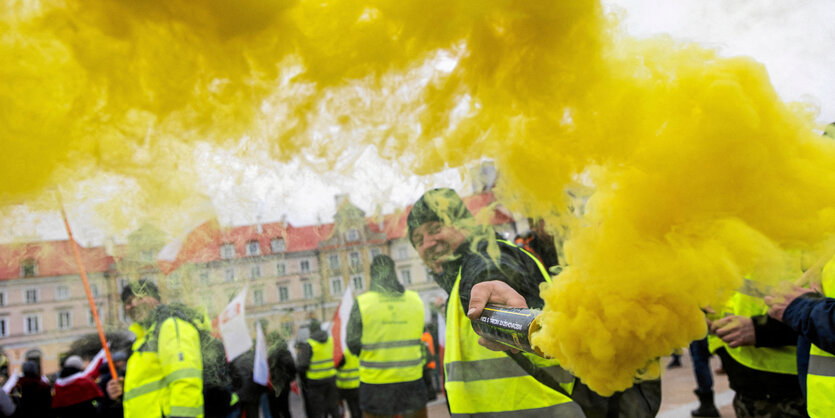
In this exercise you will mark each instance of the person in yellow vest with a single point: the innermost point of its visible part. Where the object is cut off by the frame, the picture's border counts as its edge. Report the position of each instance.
(164, 376)
(348, 382)
(315, 365)
(384, 331)
(462, 255)
(758, 354)
(811, 312)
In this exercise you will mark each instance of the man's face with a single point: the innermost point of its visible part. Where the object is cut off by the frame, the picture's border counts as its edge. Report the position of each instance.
(435, 243)
(138, 308)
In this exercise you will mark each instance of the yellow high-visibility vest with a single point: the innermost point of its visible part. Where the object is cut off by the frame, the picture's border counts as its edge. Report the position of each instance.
(489, 383)
(321, 362)
(165, 372)
(348, 376)
(767, 359)
(392, 325)
(820, 380)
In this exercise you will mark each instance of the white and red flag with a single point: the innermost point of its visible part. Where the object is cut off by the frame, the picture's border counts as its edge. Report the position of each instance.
(199, 244)
(80, 386)
(233, 330)
(340, 325)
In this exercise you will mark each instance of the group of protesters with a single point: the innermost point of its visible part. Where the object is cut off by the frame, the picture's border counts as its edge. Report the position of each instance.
(776, 349)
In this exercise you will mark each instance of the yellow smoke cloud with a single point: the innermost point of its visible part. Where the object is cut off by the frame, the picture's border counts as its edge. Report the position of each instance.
(700, 173)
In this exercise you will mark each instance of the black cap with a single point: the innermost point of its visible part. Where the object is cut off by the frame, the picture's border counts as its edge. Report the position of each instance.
(437, 205)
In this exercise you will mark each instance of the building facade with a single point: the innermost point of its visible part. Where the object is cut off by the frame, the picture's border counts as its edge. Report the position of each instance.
(291, 274)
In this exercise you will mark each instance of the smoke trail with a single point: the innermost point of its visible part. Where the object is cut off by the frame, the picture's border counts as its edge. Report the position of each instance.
(701, 174)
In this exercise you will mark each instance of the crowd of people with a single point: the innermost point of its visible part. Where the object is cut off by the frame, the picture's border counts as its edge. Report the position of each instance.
(775, 348)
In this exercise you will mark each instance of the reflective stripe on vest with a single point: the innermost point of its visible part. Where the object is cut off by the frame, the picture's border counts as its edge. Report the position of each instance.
(820, 380)
(321, 362)
(147, 390)
(768, 359)
(348, 376)
(485, 383)
(392, 325)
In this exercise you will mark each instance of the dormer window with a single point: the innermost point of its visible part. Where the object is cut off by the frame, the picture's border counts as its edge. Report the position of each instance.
(352, 235)
(277, 245)
(29, 268)
(227, 251)
(253, 248)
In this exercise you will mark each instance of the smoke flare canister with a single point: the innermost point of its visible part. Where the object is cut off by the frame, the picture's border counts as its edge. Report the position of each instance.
(510, 326)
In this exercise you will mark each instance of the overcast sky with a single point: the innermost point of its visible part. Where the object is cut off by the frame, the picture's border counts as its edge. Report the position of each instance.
(793, 40)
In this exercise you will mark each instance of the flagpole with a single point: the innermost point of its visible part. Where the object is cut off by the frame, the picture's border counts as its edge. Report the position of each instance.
(89, 294)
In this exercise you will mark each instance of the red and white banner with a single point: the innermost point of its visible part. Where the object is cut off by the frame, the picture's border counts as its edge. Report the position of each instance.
(233, 329)
(340, 325)
(91, 371)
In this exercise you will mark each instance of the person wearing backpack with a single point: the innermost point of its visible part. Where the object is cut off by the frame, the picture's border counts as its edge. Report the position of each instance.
(164, 376)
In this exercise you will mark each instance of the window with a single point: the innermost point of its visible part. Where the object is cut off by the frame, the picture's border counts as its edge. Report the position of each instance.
(402, 253)
(304, 266)
(123, 318)
(32, 324)
(146, 256)
(334, 261)
(92, 321)
(307, 289)
(405, 276)
(64, 320)
(357, 282)
(336, 286)
(258, 297)
(2, 298)
(287, 328)
(204, 277)
(94, 290)
(355, 260)
(254, 271)
(227, 251)
(28, 268)
(122, 283)
(283, 294)
(31, 296)
(375, 252)
(253, 248)
(229, 274)
(277, 245)
(352, 235)
(4, 327)
(280, 269)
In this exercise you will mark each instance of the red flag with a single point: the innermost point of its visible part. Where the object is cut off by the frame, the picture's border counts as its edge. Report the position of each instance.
(194, 246)
(340, 325)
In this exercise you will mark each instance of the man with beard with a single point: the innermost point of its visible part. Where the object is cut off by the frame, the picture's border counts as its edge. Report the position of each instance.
(463, 255)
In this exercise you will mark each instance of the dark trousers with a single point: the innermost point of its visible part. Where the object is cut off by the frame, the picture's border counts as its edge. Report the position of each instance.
(322, 398)
(280, 405)
(701, 365)
(352, 398)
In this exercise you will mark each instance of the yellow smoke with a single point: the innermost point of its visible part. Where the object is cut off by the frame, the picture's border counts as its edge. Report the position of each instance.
(701, 174)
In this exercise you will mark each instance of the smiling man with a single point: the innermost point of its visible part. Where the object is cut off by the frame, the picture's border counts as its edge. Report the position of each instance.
(164, 373)
(461, 255)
